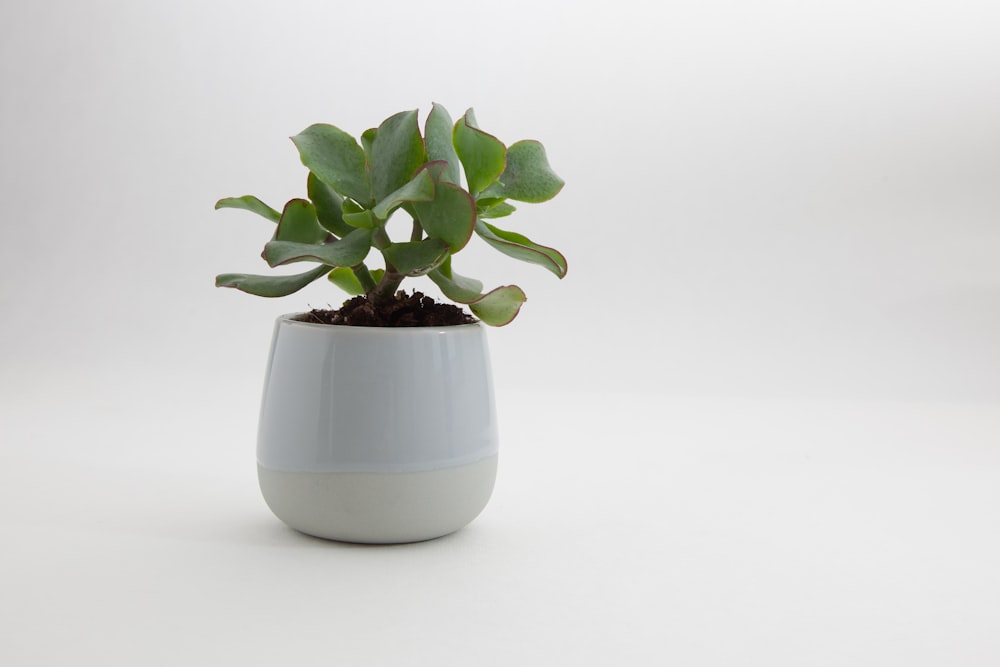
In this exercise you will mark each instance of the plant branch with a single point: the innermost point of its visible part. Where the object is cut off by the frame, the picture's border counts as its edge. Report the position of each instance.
(386, 288)
(364, 276)
(381, 240)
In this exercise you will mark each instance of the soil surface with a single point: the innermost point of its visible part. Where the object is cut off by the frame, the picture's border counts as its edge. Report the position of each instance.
(405, 310)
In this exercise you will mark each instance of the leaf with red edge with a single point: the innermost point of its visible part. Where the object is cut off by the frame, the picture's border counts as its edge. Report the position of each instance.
(336, 159)
(249, 203)
(269, 286)
(348, 251)
(521, 247)
(496, 308)
(483, 156)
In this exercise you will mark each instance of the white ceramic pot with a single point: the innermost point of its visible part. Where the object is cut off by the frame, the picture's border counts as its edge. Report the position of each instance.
(377, 435)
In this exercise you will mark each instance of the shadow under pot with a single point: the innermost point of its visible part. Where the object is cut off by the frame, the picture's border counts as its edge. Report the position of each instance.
(377, 435)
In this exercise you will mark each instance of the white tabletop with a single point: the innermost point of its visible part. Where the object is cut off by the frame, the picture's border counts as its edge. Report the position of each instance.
(624, 530)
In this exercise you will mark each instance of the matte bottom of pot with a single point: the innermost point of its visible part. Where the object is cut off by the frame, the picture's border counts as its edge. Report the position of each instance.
(379, 508)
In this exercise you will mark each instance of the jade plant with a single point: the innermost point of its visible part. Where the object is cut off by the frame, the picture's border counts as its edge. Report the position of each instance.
(355, 187)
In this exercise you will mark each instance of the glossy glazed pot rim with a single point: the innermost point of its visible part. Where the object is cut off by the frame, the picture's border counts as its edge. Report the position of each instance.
(289, 318)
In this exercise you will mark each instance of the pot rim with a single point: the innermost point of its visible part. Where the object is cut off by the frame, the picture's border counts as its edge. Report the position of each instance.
(289, 318)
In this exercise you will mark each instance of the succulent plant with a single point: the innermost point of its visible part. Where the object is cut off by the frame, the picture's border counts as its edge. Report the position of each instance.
(353, 188)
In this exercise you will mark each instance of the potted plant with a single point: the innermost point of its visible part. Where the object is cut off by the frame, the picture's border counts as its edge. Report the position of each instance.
(377, 421)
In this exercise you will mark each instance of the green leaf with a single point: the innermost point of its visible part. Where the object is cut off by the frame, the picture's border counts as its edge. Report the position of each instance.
(367, 139)
(249, 203)
(450, 215)
(437, 135)
(483, 156)
(416, 258)
(358, 216)
(493, 193)
(329, 206)
(483, 202)
(348, 251)
(299, 224)
(362, 219)
(455, 287)
(396, 153)
(269, 286)
(336, 159)
(500, 306)
(528, 176)
(496, 308)
(420, 188)
(499, 210)
(521, 247)
(345, 279)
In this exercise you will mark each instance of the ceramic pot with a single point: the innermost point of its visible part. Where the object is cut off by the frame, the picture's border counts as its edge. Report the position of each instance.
(377, 435)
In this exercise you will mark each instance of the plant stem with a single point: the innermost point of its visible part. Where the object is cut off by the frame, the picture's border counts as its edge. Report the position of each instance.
(386, 288)
(381, 240)
(364, 276)
(417, 233)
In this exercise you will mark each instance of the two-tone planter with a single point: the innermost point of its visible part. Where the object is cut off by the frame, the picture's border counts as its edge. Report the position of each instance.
(377, 435)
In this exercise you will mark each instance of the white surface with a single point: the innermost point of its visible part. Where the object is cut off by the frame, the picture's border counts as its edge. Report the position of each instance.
(784, 449)
(628, 529)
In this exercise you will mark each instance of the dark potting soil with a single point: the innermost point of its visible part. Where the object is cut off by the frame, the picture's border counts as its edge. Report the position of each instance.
(405, 310)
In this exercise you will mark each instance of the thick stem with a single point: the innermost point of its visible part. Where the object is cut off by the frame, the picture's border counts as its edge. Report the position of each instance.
(380, 239)
(417, 233)
(386, 288)
(364, 276)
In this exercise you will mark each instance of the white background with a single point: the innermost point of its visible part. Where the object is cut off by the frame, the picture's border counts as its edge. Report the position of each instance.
(756, 424)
